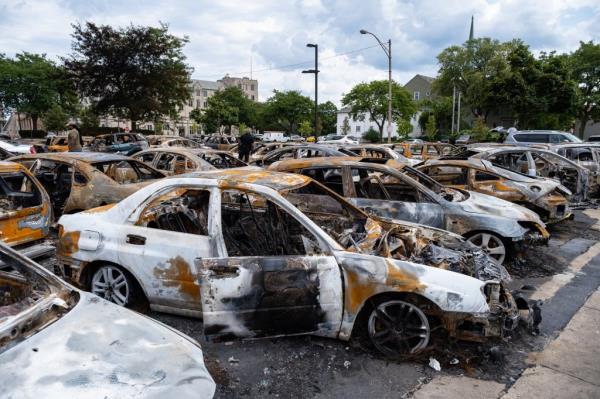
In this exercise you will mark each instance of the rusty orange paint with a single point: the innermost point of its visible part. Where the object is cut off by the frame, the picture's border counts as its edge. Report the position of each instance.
(179, 274)
(68, 243)
(402, 280)
(358, 290)
(12, 234)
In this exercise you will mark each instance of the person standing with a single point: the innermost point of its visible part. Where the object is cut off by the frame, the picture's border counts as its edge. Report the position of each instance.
(246, 142)
(74, 139)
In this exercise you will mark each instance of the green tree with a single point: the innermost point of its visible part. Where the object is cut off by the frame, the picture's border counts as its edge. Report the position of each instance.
(431, 129)
(55, 119)
(327, 117)
(242, 128)
(480, 131)
(305, 129)
(32, 84)
(372, 135)
(136, 72)
(217, 114)
(88, 119)
(404, 128)
(370, 100)
(585, 63)
(286, 109)
(441, 108)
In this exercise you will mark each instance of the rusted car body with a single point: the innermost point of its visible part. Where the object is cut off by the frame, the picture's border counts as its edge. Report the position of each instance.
(57, 144)
(175, 161)
(77, 181)
(25, 208)
(539, 162)
(171, 141)
(424, 151)
(407, 194)
(262, 149)
(59, 342)
(221, 142)
(381, 152)
(547, 197)
(300, 151)
(249, 249)
(586, 155)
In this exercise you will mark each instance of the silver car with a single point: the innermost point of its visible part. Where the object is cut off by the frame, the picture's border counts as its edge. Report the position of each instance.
(59, 342)
(527, 137)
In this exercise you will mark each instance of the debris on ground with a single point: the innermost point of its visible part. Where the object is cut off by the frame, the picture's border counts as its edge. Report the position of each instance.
(434, 364)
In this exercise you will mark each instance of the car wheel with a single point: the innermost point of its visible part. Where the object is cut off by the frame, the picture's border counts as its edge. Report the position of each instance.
(113, 284)
(491, 244)
(397, 328)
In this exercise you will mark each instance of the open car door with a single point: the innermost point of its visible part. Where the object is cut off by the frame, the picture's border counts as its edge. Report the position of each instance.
(275, 280)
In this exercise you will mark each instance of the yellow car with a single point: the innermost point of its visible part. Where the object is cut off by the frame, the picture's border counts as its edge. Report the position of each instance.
(25, 211)
(57, 144)
(311, 139)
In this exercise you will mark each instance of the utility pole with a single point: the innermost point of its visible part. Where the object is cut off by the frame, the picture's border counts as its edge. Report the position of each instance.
(458, 116)
(388, 51)
(316, 72)
(453, 107)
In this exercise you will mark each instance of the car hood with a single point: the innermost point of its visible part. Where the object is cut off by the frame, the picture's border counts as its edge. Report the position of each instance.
(100, 350)
(483, 203)
(546, 186)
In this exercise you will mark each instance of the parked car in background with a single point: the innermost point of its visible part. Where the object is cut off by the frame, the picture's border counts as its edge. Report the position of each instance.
(492, 224)
(275, 137)
(246, 249)
(58, 341)
(296, 138)
(339, 139)
(221, 142)
(424, 151)
(297, 152)
(546, 197)
(171, 141)
(78, 181)
(261, 149)
(526, 137)
(375, 151)
(539, 162)
(119, 143)
(57, 144)
(593, 139)
(16, 148)
(25, 210)
(174, 160)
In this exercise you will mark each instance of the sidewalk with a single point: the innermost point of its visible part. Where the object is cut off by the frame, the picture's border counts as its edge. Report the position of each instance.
(569, 367)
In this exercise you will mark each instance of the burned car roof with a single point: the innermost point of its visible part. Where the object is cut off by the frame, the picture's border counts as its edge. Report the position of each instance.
(7, 166)
(88, 157)
(275, 180)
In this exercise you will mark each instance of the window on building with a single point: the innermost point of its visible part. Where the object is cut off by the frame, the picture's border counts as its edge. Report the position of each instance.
(198, 92)
(252, 87)
(416, 95)
(357, 129)
(204, 93)
(198, 103)
(253, 97)
(240, 85)
(205, 104)
(191, 103)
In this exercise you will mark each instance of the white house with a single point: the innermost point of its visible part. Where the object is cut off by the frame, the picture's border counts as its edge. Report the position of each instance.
(358, 127)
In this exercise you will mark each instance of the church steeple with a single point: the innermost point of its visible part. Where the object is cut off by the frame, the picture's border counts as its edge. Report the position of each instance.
(471, 33)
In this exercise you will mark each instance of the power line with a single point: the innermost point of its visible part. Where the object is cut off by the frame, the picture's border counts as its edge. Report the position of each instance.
(298, 64)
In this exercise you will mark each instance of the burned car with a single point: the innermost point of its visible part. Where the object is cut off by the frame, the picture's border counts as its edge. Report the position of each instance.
(538, 162)
(373, 151)
(262, 149)
(175, 161)
(423, 151)
(490, 223)
(248, 249)
(546, 197)
(25, 210)
(82, 180)
(171, 141)
(300, 151)
(58, 341)
(586, 155)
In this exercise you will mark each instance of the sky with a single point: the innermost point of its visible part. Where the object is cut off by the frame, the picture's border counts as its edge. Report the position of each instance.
(269, 36)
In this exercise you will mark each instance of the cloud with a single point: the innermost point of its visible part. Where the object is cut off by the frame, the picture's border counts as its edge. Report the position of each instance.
(225, 35)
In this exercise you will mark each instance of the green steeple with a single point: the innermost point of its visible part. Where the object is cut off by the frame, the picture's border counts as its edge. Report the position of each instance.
(471, 36)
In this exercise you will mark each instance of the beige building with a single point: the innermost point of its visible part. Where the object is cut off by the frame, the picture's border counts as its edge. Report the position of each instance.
(248, 86)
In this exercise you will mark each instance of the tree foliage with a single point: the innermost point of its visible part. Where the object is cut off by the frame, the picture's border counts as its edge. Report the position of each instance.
(431, 129)
(372, 135)
(226, 108)
(327, 117)
(286, 109)
(88, 119)
(32, 84)
(305, 129)
(403, 128)
(55, 119)
(370, 100)
(138, 72)
(585, 62)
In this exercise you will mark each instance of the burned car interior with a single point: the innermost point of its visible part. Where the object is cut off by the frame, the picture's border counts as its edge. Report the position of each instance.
(17, 191)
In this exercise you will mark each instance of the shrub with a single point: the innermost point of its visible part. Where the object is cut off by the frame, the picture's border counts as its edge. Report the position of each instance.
(371, 136)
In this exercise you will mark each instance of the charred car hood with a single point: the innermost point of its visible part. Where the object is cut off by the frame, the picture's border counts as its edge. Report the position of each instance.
(100, 350)
(483, 203)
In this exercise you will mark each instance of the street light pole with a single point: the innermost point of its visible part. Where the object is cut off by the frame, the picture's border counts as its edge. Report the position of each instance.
(388, 51)
(316, 72)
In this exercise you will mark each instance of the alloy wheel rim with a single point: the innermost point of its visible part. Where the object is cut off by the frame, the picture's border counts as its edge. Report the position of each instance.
(111, 284)
(491, 245)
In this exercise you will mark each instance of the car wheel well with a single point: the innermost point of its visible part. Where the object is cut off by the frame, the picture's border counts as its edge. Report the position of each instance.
(86, 280)
(359, 330)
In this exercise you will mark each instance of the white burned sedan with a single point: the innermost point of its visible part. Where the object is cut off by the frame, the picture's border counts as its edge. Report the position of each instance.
(59, 342)
(260, 253)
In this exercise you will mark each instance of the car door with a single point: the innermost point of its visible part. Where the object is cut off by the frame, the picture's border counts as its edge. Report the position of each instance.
(392, 196)
(489, 183)
(162, 241)
(273, 279)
